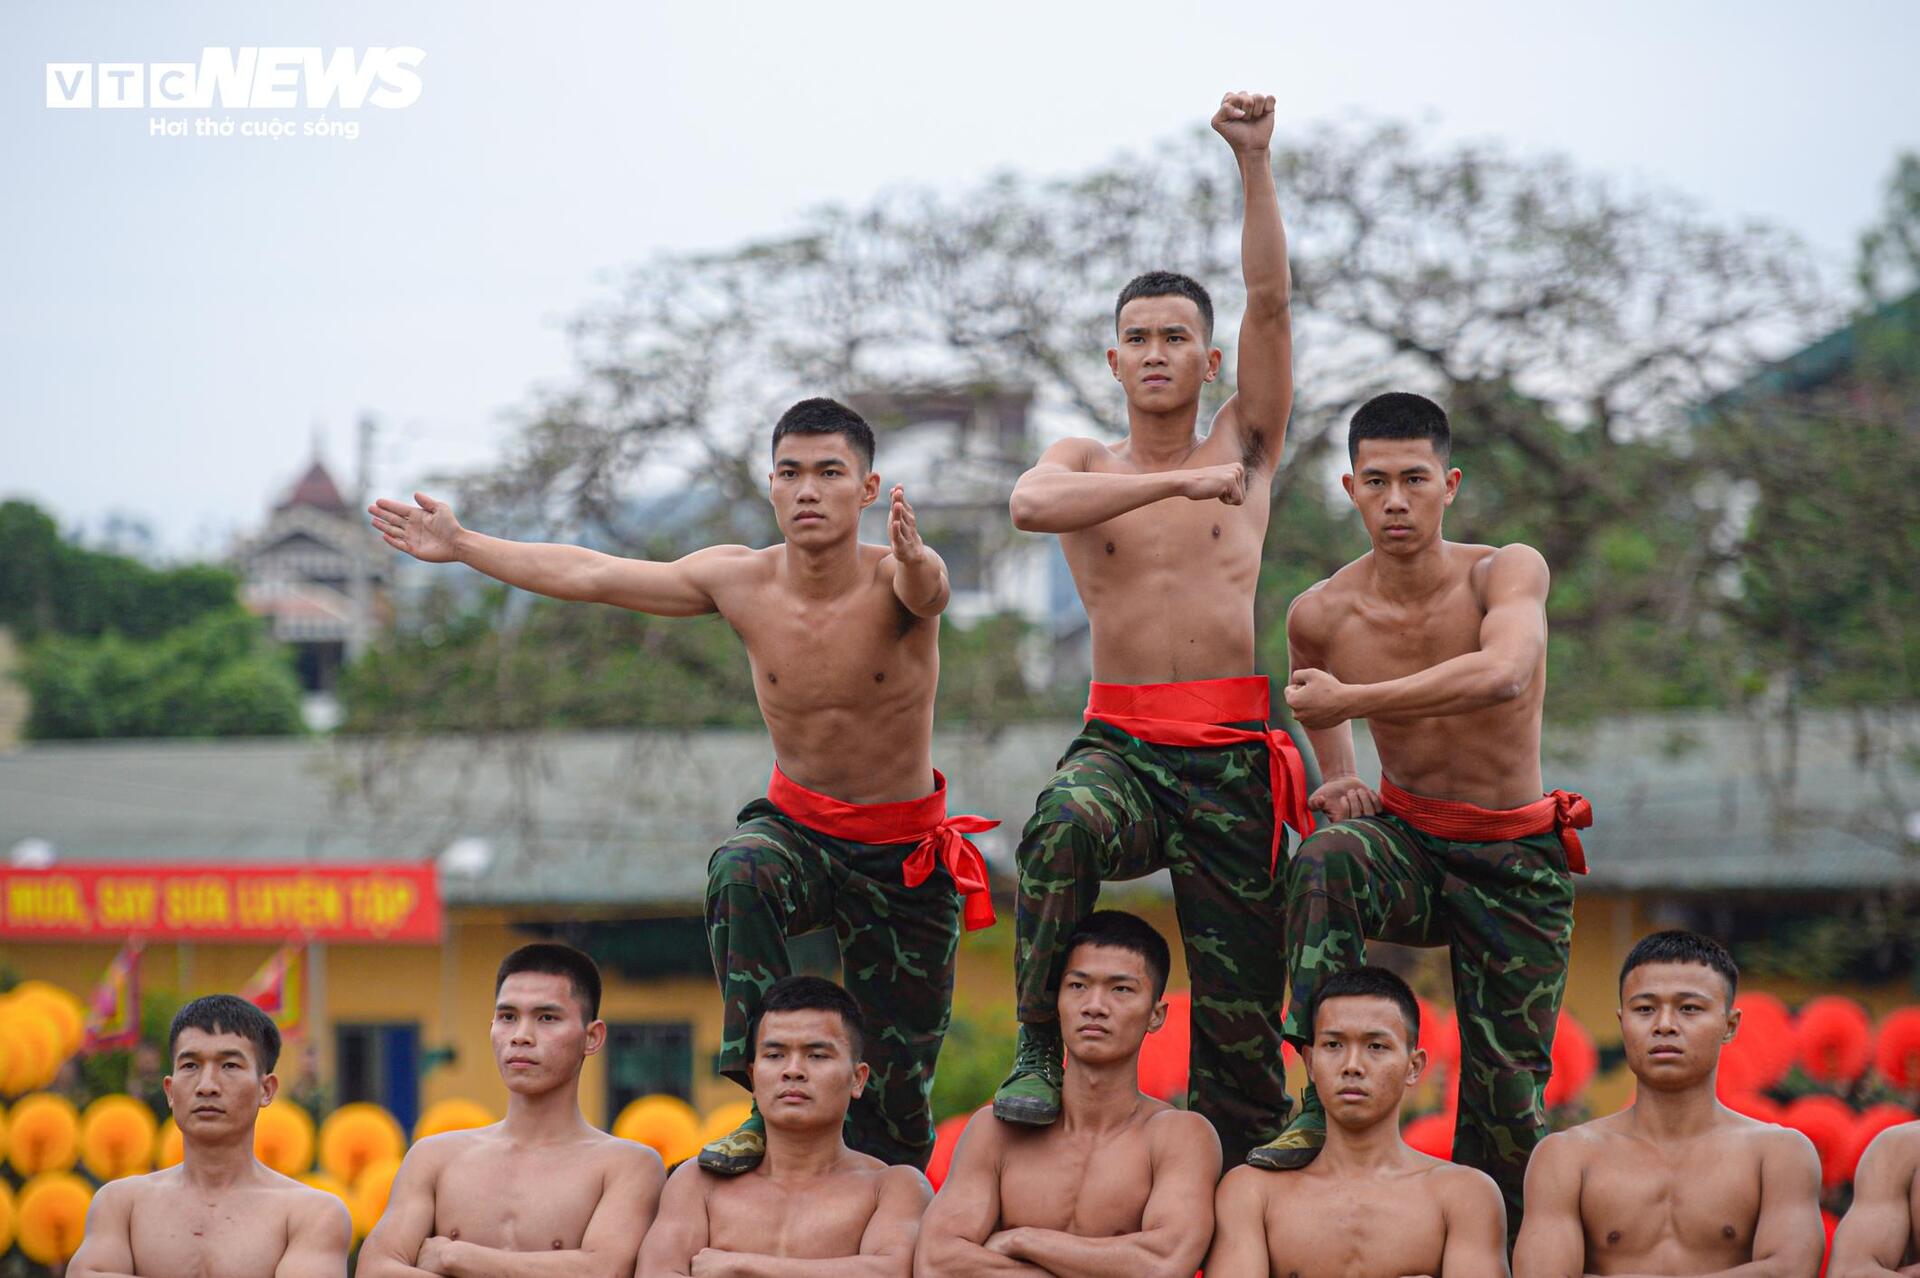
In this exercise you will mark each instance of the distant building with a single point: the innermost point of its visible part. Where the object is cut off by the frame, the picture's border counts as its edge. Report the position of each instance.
(318, 574)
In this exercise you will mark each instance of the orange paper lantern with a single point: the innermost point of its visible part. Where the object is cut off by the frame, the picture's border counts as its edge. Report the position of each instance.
(722, 1119)
(666, 1123)
(1763, 1047)
(283, 1137)
(169, 1147)
(1897, 1049)
(116, 1138)
(43, 1135)
(356, 1136)
(456, 1115)
(53, 1216)
(369, 1194)
(1828, 1123)
(1836, 1039)
(1866, 1126)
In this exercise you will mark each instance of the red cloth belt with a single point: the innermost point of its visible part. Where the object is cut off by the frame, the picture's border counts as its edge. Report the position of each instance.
(923, 822)
(1194, 714)
(1561, 812)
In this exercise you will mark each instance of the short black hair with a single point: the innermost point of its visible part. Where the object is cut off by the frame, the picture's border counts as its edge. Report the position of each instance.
(228, 1014)
(1119, 930)
(1680, 946)
(811, 994)
(822, 416)
(1400, 415)
(550, 958)
(1167, 284)
(1369, 982)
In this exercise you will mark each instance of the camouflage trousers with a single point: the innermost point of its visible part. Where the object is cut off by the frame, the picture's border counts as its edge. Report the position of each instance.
(775, 879)
(1505, 912)
(1120, 808)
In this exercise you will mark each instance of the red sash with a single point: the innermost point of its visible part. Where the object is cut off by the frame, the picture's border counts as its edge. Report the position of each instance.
(1195, 714)
(1561, 812)
(922, 822)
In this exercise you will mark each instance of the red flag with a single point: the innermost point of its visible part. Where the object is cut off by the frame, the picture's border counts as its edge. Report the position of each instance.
(279, 988)
(113, 1014)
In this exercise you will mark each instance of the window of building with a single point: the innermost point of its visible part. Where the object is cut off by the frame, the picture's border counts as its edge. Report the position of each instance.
(646, 1058)
(380, 1063)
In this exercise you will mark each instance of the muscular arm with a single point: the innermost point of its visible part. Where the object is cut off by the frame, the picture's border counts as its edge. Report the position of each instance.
(1264, 380)
(106, 1248)
(1476, 1219)
(1553, 1242)
(318, 1241)
(1873, 1238)
(628, 1201)
(1174, 1227)
(430, 532)
(393, 1247)
(966, 1212)
(919, 575)
(1063, 494)
(1240, 1227)
(1342, 794)
(1513, 634)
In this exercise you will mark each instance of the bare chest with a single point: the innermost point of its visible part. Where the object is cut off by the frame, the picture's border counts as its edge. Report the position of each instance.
(1373, 642)
(186, 1236)
(526, 1202)
(1092, 1190)
(1355, 1231)
(1198, 541)
(809, 656)
(822, 1221)
(1704, 1201)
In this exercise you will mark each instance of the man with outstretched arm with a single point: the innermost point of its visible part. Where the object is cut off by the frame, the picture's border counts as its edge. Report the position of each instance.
(1676, 1183)
(542, 1193)
(1880, 1236)
(1176, 767)
(1122, 1183)
(1441, 647)
(854, 832)
(813, 1208)
(1369, 1204)
(221, 1211)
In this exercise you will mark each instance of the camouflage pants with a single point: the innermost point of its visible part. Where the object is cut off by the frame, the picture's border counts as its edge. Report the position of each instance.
(1119, 808)
(775, 879)
(1505, 912)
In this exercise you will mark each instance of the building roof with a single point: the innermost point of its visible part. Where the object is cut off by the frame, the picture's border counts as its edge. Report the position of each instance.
(315, 489)
(1684, 803)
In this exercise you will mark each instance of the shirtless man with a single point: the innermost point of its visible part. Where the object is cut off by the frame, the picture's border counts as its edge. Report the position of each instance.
(220, 1211)
(542, 1193)
(1880, 1237)
(843, 639)
(1123, 1183)
(1441, 648)
(1176, 767)
(1369, 1205)
(1676, 1183)
(813, 1208)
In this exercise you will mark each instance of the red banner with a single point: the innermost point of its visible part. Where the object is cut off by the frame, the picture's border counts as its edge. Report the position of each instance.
(365, 903)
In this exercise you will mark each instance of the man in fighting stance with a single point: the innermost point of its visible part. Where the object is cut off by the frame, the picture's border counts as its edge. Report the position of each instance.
(1122, 1183)
(1176, 767)
(1369, 1204)
(1676, 1183)
(813, 1208)
(1441, 647)
(853, 833)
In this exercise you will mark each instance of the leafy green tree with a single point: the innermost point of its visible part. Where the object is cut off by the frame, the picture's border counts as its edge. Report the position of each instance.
(50, 586)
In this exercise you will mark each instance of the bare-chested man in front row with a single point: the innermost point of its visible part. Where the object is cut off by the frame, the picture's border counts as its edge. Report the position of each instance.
(1176, 767)
(1880, 1237)
(1676, 1183)
(1442, 648)
(1123, 1183)
(543, 1193)
(813, 1208)
(854, 832)
(220, 1211)
(1369, 1206)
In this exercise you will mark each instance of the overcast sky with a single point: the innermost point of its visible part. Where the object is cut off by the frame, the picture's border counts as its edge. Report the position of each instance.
(178, 316)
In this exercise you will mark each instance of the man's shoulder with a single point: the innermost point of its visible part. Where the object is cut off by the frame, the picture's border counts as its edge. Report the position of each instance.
(1327, 597)
(622, 1154)
(1077, 452)
(1167, 1123)
(1461, 1186)
(436, 1151)
(1576, 1145)
(1482, 563)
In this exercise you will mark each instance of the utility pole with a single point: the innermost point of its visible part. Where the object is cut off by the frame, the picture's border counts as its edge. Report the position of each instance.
(361, 632)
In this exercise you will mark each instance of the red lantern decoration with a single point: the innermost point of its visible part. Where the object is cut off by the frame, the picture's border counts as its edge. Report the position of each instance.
(1828, 1123)
(1762, 1049)
(1431, 1134)
(1754, 1105)
(1440, 1037)
(1575, 1061)
(1164, 1053)
(946, 1136)
(1836, 1039)
(1865, 1127)
(1897, 1053)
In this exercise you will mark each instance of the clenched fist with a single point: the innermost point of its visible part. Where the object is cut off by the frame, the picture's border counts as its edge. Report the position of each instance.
(1227, 483)
(1245, 120)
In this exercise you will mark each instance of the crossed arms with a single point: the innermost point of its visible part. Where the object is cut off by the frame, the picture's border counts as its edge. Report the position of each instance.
(678, 1246)
(318, 1235)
